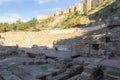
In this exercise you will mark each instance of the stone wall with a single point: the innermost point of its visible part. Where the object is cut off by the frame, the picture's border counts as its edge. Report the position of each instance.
(106, 45)
(96, 1)
(89, 4)
(77, 7)
(73, 8)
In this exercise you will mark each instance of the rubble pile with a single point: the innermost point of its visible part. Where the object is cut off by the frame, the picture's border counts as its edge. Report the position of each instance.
(96, 57)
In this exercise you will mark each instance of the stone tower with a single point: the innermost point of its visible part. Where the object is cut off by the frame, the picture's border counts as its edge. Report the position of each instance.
(88, 2)
(79, 7)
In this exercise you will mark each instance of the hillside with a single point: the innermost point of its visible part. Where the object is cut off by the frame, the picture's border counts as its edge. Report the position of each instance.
(105, 10)
(99, 12)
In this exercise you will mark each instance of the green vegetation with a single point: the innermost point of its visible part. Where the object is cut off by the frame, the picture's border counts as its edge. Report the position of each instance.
(99, 11)
(70, 21)
(105, 10)
(44, 25)
(19, 26)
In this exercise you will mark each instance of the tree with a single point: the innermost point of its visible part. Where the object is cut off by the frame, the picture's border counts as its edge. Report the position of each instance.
(15, 28)
(18, 21)
(32, 23)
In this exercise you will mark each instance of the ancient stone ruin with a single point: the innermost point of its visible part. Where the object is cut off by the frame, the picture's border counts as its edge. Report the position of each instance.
(95, 57)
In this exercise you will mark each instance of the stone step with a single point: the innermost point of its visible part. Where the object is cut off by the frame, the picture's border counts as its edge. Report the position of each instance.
(76, 77)
(89, 68)
(112, 77)
(113, 72)
(7, 75)
(69, 73)
(85, 74)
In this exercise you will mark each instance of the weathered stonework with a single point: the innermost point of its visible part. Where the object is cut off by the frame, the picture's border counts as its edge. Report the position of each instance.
(79, 7)
(96, 1)
(43, 63)
(89, 5)
(73, 8)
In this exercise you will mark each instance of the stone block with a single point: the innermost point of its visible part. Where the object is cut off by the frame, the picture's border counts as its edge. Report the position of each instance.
(52, 62)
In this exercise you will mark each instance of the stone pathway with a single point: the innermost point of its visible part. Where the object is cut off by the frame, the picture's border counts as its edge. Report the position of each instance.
(115, 62)
(50, 52)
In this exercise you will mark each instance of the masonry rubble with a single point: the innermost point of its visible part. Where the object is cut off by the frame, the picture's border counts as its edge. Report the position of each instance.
(64, 68)
(42, 63)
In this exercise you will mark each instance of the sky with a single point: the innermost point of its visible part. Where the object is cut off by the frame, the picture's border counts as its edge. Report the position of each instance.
(25, 10)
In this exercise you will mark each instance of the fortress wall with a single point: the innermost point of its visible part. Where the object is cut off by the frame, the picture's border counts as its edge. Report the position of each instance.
(79, 7)
(75, 7)
(96, 1)
(89, 4)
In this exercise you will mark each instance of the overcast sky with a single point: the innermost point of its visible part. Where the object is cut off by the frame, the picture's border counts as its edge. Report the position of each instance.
(12, 10)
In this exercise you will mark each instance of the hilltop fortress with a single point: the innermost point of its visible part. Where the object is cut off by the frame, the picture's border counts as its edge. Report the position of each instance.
(76, 7)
